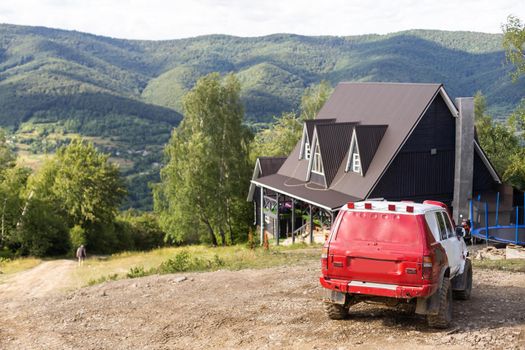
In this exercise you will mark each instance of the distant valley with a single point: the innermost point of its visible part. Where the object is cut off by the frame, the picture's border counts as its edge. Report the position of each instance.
(126, 95)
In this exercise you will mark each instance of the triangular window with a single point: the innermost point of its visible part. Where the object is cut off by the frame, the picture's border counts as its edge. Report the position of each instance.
(305, 145)
(354, 159)
(317, 164)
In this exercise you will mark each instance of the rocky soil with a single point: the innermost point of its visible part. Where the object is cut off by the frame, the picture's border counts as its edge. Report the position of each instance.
(251, 309)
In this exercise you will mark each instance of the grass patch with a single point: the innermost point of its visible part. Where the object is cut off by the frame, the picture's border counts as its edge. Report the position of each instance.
(514, 265)
(9, 266)
(190, 258)
(103, 279)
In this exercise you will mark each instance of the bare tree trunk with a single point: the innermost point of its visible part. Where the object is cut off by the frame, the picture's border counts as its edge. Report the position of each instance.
(223, 236)
(3, 222)
(230, 231)
(212, 234)
(24, 210)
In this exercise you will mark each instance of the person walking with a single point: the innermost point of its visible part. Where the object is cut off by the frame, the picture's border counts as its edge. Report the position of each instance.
(81, 255)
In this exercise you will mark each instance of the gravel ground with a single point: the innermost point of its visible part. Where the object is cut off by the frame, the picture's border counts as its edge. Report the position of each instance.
(272, 308)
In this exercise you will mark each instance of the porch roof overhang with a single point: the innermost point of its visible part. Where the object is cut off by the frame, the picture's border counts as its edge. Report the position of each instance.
(305, 191)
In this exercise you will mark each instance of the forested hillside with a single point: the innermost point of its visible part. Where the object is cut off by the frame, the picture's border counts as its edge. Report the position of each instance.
(126, 95)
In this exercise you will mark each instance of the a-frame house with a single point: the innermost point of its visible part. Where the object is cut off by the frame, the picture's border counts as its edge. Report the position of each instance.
(372, 141)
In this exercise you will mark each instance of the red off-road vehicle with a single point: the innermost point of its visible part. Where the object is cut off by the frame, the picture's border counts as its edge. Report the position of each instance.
(397, 253)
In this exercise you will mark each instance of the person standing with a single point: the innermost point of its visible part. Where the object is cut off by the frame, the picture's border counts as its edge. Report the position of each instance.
(81, 255)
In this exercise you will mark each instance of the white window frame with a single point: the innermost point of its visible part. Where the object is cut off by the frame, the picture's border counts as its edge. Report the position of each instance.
(317, 162)
(354, 150)
(356, 163)
(306, 150)
(304, 143)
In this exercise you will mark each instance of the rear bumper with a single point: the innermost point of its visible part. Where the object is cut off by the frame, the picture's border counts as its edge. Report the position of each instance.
(377, 289)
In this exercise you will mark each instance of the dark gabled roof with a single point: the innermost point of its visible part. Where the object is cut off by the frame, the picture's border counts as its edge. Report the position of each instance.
(396, 105)
(270, 165)
(368, 139)
(311, 123)
(334, 141)
(400, 106)
(264, 166)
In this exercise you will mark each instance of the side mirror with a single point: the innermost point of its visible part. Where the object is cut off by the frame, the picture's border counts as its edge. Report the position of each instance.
(460, 231)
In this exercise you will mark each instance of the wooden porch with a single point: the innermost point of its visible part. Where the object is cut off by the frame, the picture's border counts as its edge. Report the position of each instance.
(289, 220)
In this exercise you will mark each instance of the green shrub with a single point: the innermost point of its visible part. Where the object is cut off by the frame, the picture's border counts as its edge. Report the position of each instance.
(103, 279)
(137, 271)
(181, 262)
(218, 261)
(77, 235)
(140, 232)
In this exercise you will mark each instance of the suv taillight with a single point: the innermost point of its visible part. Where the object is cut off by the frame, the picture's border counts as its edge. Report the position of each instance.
(427, 268)
(324, 258)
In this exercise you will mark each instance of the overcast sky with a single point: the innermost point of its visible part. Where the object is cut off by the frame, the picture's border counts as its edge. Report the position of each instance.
(165, 19)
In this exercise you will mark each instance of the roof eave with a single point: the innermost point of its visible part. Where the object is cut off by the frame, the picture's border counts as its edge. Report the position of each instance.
(448, 101)
(255, 175)
(256, 183)
(487, 162)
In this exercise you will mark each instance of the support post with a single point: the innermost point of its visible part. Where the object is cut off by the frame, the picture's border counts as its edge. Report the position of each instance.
(486, 223)
(517, 219)
(471, 215)
(262, 215)
(293, 221)
(278, 229)
(311, 224)
(497, 209)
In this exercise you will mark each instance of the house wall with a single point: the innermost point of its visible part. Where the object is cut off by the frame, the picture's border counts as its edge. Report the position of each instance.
(424, 168)
(483, 180)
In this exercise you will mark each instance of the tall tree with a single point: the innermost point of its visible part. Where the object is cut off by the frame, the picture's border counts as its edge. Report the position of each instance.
(514, 44)
(88, 185)
(12, 186)
(13, 200)
(203, 184)
(279, 139)
(313, 99)
(282, 136)
(7, 156)
(80, 186)
(501, 142)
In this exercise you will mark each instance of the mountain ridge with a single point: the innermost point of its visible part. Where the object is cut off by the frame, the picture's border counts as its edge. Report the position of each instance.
(127, 93)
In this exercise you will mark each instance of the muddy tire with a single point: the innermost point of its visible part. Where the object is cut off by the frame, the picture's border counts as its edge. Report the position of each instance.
(467, 274)
(336, 311)
(444, 315)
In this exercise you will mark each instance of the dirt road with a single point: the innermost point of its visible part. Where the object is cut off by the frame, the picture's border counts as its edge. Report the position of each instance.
(44, 279)
(272, 308)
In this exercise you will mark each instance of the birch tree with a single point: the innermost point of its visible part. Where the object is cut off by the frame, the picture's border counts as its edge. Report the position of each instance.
(202, 191)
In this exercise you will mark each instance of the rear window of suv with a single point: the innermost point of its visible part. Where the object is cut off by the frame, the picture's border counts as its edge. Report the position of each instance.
(379, 227)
